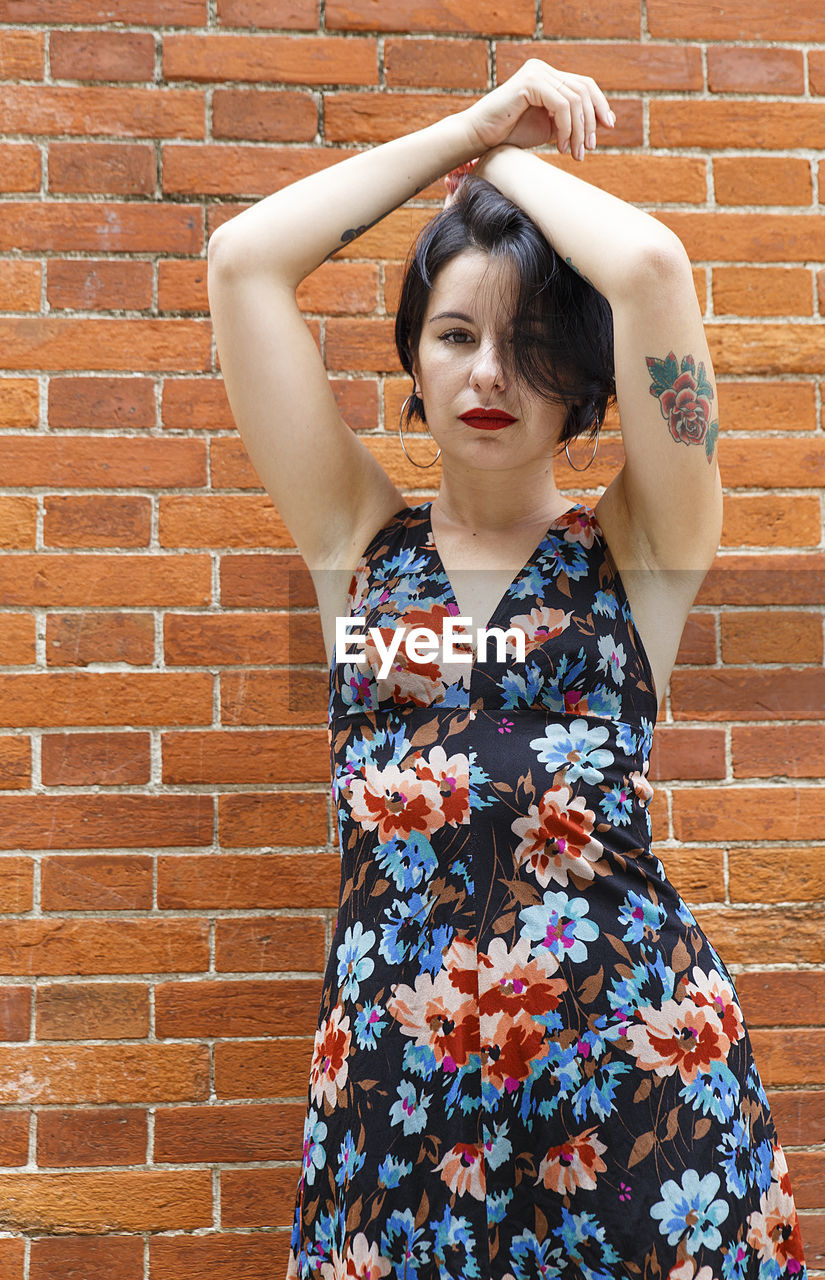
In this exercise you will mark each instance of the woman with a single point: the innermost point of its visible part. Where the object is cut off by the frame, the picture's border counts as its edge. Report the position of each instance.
(529, 1060)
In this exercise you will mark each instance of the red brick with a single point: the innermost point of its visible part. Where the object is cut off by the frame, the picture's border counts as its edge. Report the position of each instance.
(19, 401)
(231, 1008)
(698, 874)
(487, 18)
(102, 110)
(102, 520)
(764, 125)
(76, 639)
(80, 946)
(268, 13)
(615, 66)
(742, 935)
(99, 1011)
(99, 286)
(263, 1069)
(790, 1057)
(18, 523)
(15, 762)
(101, 403)
(15, 1013)
(102, 55)
(14, 1150)
(21, 165)
(764, 180)
(709, 20)
(182, 286)
(87, 1258)
(215, 521)
(201, 402)
(263, 115)
(230, 467)
(782, 998)
(441, 64)
(340, 288)
(235, 1256)
(274, 697)
(142, 13)
(100, 1073)
(581, 18)
(224, 169)
(776, 875)
(361, 344)
(768, 348)
(234, 639)
(379, 117)
(61, 342)
(16, 890)
(309, 60)
(269, 945)
(245, 757)
(103, 580)
(687, 753)
(787, 406)
(756, 637)
(799, 1115)
(95, 759)
(259, 1197)
(762, 291)
(107, 168)
(72, 461)
(286, 818)
(278, 581)
(21, 55)
(768, 579)
(20, 286)
(248, 881)
(742, 70)
(85, 882)
(725, 694)
(645, 179)
(97, 1202)
(816, 71)
(104, 822)
(748, 813)
(97, 227)
(219, 1134)
(807, 1172)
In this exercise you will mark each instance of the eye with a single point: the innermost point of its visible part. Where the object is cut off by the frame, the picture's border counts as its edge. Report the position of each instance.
(459, 336)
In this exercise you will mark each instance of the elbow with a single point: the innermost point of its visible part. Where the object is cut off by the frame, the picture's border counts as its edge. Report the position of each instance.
(219, 253)
(661, 264)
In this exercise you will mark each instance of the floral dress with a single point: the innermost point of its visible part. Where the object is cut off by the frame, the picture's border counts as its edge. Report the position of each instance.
(530, 1062)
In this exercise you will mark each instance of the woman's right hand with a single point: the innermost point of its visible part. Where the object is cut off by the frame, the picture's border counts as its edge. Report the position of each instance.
(537, 105)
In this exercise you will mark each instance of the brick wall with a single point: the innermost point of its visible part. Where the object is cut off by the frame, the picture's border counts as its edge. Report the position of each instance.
(168, 877)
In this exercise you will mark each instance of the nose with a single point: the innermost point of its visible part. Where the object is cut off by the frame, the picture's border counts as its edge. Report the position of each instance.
(487, 372)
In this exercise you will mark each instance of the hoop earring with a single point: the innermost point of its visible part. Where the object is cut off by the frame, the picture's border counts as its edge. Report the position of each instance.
(422, 465)
(593, 454)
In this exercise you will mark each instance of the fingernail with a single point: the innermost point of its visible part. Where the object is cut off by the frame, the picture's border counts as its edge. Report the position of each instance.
(591, 140)
(565, 146)
(612, 117)
(580, 151)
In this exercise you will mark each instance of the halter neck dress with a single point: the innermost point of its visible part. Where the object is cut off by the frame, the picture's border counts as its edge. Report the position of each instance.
(530, 1062)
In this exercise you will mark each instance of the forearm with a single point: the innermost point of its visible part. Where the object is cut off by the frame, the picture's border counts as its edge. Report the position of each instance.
(291, 232)
(609, 242)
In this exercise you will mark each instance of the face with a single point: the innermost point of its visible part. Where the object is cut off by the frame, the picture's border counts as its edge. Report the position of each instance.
(464, 371)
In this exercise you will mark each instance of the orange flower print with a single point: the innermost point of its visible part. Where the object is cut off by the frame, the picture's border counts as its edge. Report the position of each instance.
(329, 1070)
(440, 1012)
(539, 625)
(463, 1170)
(515, 991)
(395, 801)
(711, 990)
(678, 1037)
(573, 1165)
(451, 774)
(773, 1229)
(642, 787)
(556, 838)
(360, 1259)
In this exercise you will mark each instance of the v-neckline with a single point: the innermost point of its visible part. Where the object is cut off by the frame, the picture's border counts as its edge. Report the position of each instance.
(513, 581)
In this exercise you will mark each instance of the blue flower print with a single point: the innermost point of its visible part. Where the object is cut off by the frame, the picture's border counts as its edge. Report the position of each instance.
(530, 1257)
(613, 658)
(625, 738)
(605, 604)
(498, 1147)
(617, 805)
(566, 557)
(391, 1171)
(737, 1156)
(714, 1092)
(522, 688)
(406, 1246)
(358, 689)
(558, 925)
(642, 917)
(404, 934)
(349, 1160)
(315, 1130)
(408, 861)
(497, 1205)
(736, 1262)
(582, 1229)
(605, 702)
(368, 1025)
(453, 1247)
(577, 749)
(689, 1210)
(354, 965)
(409, 1110)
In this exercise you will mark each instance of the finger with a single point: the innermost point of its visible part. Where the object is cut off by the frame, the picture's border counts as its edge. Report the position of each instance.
(582, 105)
(557, 105)
(577, 119)
(600, 103)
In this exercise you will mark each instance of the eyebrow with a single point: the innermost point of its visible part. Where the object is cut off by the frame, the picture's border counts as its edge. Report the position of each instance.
(451, 315)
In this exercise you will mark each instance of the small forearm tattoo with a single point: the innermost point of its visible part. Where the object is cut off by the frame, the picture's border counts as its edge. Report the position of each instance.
(686, 399)
(571, 264)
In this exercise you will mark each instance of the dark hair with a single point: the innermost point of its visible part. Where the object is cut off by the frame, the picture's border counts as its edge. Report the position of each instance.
(562, 326)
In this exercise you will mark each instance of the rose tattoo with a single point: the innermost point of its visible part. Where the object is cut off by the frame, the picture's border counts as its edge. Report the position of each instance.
(686, 399)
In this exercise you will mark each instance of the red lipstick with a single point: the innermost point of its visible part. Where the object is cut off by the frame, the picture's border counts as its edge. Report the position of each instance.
(487, 419)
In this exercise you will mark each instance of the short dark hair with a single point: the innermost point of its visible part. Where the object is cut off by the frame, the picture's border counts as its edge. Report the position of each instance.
(562, 326)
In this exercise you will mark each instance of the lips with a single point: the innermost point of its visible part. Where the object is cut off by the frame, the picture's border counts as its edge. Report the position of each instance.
(487, 419)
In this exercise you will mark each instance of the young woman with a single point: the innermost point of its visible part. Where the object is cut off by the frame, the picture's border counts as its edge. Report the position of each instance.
(529, 1061)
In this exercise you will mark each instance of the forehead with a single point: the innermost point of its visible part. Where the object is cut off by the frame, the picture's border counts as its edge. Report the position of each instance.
(474, 283)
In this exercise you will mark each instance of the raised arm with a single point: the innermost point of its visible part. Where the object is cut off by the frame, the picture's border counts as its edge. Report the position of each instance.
(668, 494)
(326, 485)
